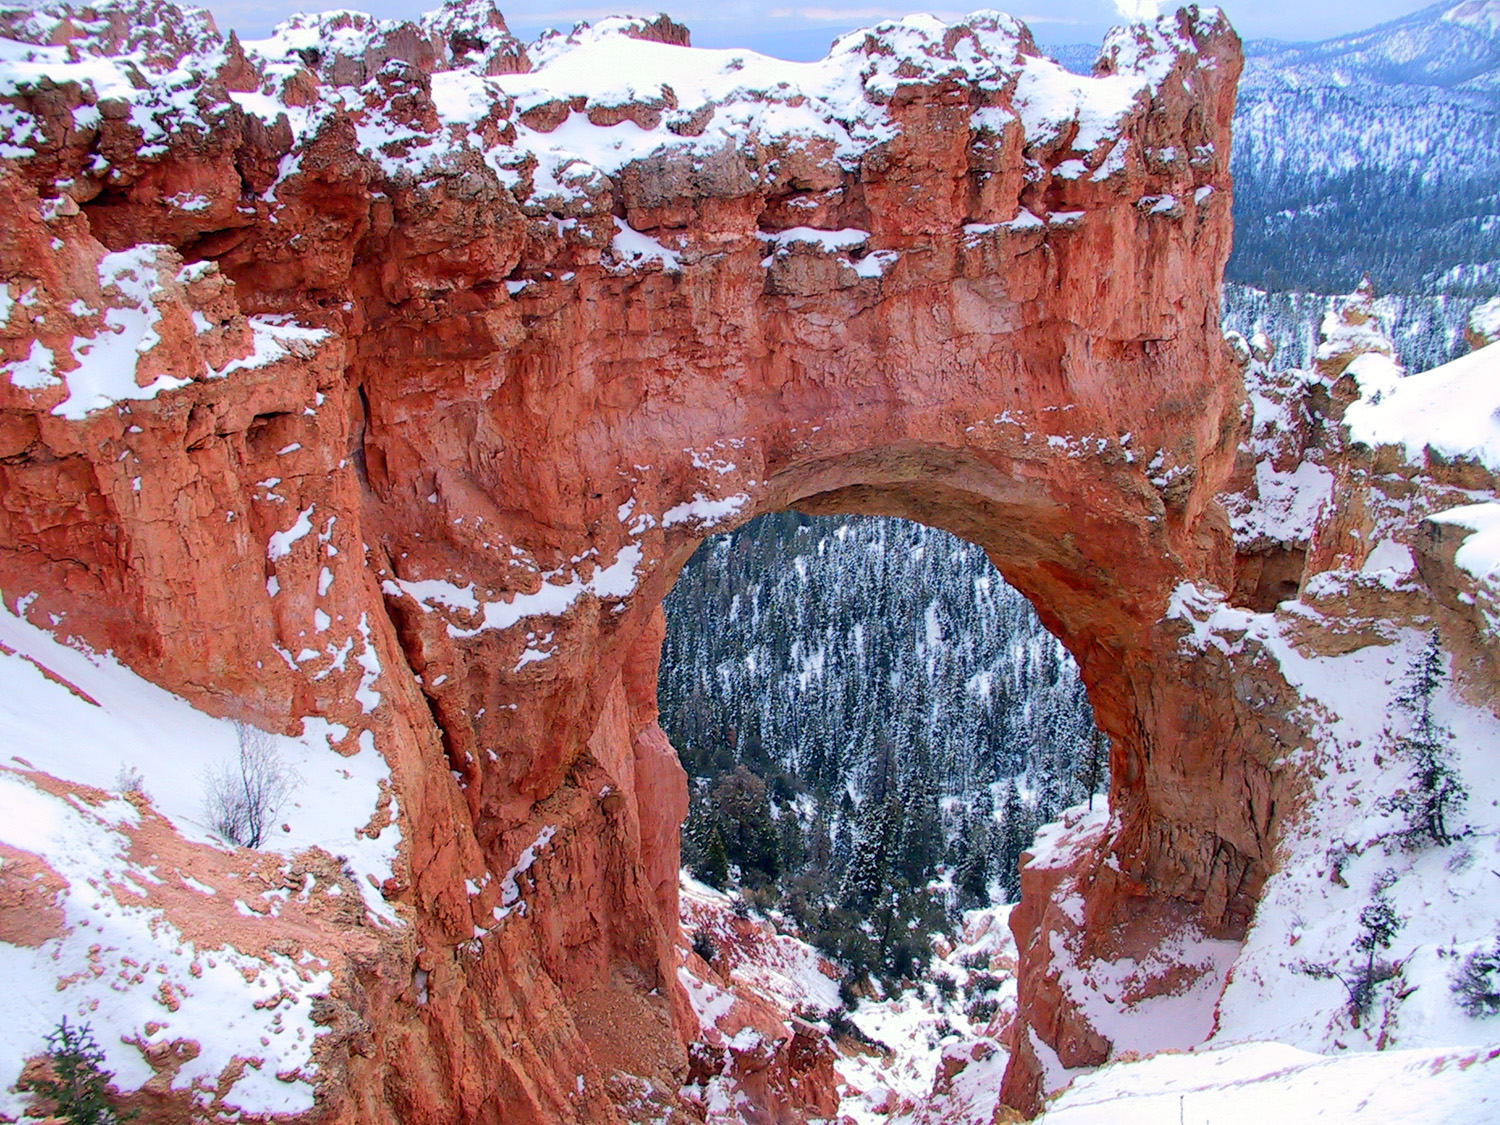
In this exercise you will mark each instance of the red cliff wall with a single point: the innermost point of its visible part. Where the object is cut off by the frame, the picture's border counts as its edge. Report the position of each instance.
(516, 426)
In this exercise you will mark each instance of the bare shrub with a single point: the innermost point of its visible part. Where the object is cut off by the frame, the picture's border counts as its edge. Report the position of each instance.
(982, 1010)
(704, 944)
(242, 797)
(130, 780)
(983, 982)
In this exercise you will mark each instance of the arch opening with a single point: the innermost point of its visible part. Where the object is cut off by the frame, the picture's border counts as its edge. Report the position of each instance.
(848, 692)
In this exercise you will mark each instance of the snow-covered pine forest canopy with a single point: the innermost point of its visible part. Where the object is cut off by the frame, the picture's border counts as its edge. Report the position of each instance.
(866, 709)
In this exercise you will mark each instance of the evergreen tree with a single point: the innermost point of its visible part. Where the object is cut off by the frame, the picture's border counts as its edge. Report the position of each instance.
(973, 875)
(742, 816)
(715, 862)
(1016, 831)
(1435, 793)
(1378, 926)
(76, 1082)
(1094, 768)
(920, 847)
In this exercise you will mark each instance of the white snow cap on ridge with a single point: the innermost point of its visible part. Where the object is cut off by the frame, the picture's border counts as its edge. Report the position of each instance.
(1481, 15)
(734, 93)
(1454, 408)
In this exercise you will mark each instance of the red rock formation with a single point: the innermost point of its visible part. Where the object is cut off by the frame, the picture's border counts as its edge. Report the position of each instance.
(523, 392)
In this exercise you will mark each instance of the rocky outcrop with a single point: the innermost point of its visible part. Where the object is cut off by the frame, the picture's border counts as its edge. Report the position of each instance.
(426, 360)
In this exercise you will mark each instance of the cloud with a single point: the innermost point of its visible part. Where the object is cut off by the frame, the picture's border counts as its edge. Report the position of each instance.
(1138, 9)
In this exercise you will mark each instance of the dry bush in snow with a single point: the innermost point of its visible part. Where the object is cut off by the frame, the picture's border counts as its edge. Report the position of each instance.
(242, 797)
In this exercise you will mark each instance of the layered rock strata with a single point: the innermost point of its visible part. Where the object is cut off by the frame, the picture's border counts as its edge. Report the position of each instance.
(387, 373)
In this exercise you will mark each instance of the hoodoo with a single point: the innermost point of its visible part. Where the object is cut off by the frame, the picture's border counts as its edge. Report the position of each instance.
(370, 384)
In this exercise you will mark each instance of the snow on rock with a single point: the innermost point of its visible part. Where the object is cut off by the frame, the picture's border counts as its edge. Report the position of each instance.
(944, 1057)
(553, 599)
(914, 1056)
(703, 511)
(777, 967)
(1480, 552)
(1351, 330)
(107, 367)
(510, 889)
(149, 981)
(1164, 999)
(35, 371)
(1478, 555)
(828, 241)
(123, 350)
(1453, 409)
(753, 1005)
(555, 118)
(634, 249)
(157, 905)
(272, 338)
(280, 543)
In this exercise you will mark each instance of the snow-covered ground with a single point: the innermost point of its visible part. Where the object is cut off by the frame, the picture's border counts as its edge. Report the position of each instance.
(1263, 1082)
(149, 942)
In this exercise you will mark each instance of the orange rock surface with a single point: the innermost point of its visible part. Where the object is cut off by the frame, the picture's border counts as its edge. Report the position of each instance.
(500, 430)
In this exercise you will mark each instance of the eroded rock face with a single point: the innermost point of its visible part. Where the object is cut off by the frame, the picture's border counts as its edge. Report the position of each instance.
(389, 373)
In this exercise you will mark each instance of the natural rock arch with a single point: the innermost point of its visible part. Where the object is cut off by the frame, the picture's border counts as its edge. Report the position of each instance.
(525, 415)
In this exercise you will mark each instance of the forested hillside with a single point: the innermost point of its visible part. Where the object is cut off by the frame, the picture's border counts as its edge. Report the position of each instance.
(1428, 331)
(875, 724)
(1373, 153)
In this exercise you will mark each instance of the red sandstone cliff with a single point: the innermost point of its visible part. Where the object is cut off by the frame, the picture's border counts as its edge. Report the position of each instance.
(511, 337)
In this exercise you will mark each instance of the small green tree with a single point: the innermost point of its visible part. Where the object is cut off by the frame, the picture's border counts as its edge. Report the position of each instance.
(1378, 926)
(715, 862)
(1436, 793)
(1093, 767)
(1017, 828)
(77, 1085)
(973, 874)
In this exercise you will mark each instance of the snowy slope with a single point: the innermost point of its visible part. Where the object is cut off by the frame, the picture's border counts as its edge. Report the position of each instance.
(151, 905)
(1446, 45)
(1271, 1082)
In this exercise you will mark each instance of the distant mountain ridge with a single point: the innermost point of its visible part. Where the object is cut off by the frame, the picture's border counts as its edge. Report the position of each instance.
(1376, 152)
(1449, 46)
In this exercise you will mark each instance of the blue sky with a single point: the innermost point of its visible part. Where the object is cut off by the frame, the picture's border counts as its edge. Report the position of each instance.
(802, 29)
